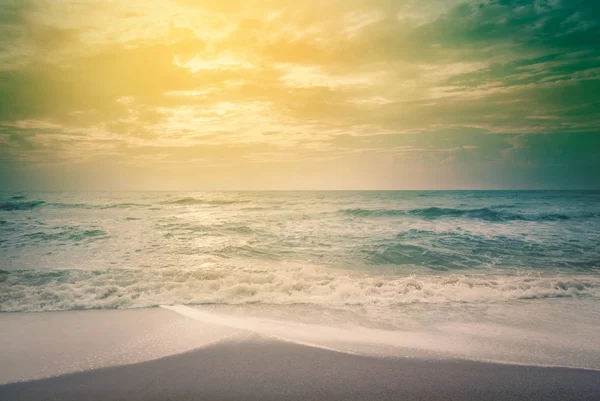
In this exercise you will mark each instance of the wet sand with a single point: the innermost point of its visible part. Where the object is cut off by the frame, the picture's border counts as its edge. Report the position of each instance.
(264, 369)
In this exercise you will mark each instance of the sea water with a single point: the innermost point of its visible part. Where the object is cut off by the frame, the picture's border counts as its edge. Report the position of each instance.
(424, 269)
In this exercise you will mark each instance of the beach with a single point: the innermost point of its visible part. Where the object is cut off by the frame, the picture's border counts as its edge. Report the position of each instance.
(156, 354)
(300, 200)
(261, 369)
(425, 295)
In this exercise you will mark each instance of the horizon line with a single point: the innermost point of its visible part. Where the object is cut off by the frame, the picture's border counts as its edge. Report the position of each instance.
(312, 190)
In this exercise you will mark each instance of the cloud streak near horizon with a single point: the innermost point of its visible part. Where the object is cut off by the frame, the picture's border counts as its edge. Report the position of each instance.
(280, 94)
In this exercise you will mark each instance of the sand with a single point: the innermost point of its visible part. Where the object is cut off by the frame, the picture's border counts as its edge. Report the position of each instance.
(264, 369)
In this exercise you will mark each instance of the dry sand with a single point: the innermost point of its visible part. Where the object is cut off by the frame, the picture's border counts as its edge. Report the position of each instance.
(263, 369)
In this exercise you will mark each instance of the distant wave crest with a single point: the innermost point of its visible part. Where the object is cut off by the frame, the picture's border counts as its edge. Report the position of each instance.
(197, 201)
(97, 206)
(493, 214)
(74, 234)
(19, 204)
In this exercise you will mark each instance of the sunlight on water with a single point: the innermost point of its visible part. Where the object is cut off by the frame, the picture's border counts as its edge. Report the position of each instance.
(385, 273)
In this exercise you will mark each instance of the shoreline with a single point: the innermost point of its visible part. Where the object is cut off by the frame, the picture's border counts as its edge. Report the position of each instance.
(50, 344)
(265, 369)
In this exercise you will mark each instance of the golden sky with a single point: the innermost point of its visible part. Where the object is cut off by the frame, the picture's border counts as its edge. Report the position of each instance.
(281, 94)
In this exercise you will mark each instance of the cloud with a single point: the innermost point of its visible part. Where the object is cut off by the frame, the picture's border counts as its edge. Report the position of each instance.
(449, 83)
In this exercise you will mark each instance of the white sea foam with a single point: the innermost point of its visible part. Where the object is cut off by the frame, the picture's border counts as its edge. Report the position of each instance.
(449, 270)
(279, 284)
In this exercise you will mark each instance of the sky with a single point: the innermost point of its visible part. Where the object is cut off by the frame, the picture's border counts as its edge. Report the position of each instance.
(282, 94)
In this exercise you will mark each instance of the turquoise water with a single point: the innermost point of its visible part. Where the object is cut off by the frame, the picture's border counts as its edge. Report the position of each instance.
(81, 250)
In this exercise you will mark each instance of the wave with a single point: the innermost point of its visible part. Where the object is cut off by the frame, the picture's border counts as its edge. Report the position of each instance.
(374, 212)
(68, 234)
(413, 255)
(190, 229)
(196, 201)
(492, 214)
(95, 206)
(20, 205)
(16, 203)
(118, 289)
(461, 249)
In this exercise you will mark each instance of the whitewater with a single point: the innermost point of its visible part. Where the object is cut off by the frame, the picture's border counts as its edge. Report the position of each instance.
(504, 276)
(89, 250)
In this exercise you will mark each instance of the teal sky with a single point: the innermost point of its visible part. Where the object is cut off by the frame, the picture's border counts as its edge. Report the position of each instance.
(282, 94)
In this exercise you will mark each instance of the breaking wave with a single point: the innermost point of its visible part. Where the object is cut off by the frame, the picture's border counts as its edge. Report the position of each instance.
(459, 249)
(93, 206)
(191, 229)
(28, 290)
(74, 234)
(17, 204)
(196, 201)
(492, 214)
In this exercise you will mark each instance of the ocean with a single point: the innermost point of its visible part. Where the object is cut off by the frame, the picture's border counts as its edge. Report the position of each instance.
(514, 264)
